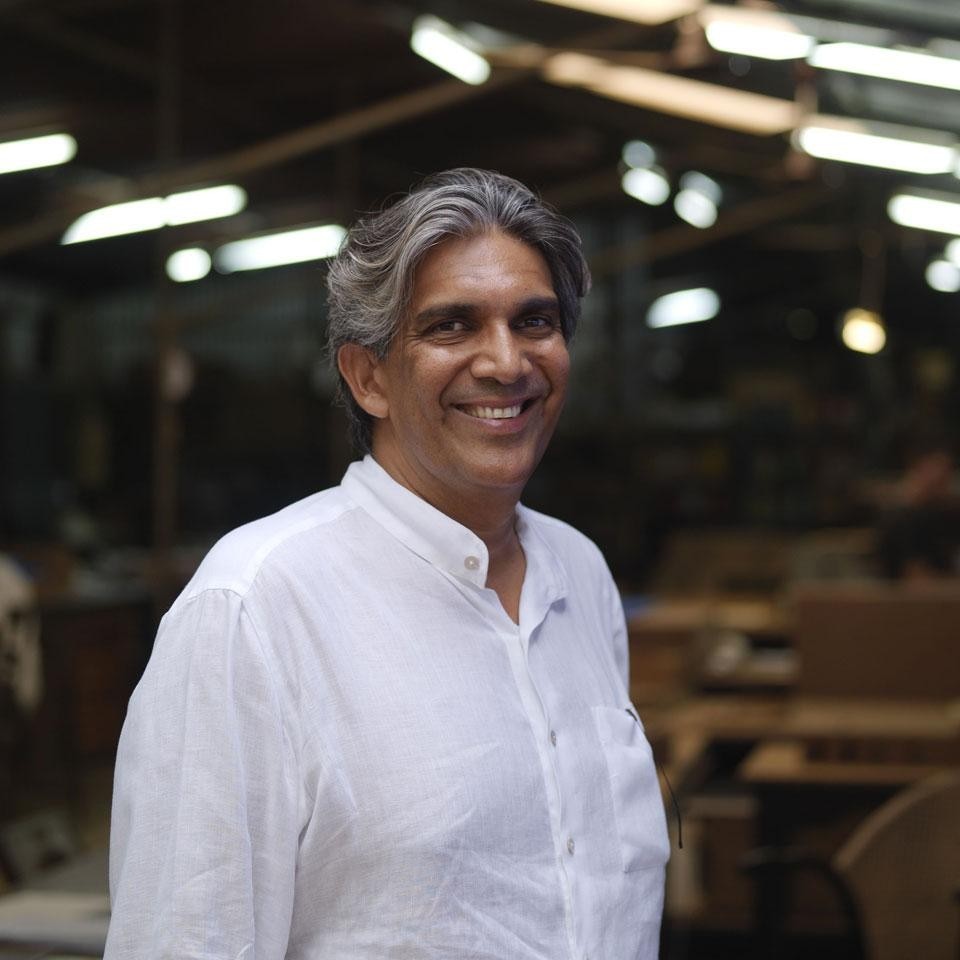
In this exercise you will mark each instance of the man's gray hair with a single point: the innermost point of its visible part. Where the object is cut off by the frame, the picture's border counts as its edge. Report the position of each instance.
(370, 281)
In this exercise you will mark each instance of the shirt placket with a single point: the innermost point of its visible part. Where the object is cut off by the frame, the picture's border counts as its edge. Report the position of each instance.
(547, 742)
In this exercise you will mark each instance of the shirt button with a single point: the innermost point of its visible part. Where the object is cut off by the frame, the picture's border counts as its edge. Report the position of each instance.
(553, 737)
(472, 563)
(571, 846)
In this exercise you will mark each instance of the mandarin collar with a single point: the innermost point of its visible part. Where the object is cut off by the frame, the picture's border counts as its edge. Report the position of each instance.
(437, 538)
(422, 528)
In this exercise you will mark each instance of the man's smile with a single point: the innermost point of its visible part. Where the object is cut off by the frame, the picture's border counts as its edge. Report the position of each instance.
(483, 411)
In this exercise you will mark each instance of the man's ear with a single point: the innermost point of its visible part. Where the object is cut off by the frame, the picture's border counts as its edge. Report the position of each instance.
(360, 367)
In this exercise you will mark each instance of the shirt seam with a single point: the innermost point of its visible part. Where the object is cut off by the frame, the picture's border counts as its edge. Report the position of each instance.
(241, 584)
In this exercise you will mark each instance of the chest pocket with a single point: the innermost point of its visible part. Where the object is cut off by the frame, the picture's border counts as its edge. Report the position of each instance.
(637, 801)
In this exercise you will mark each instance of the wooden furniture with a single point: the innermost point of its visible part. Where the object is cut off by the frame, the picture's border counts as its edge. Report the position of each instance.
(823, 770)
(878, 640)
(674, 645)
(903, 865)
(896, 878)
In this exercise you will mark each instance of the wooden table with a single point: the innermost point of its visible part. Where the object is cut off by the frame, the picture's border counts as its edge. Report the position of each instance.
(681, 645)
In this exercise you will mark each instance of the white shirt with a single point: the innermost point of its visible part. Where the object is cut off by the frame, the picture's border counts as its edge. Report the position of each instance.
(343, 747)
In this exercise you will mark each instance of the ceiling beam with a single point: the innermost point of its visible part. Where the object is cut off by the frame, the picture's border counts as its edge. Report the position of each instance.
(339, 129)
(260, 156)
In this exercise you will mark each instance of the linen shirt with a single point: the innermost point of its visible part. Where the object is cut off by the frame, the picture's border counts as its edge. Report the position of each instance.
(343, 747)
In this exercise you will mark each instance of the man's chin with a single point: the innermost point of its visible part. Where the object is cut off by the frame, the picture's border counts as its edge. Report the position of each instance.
(509, 473)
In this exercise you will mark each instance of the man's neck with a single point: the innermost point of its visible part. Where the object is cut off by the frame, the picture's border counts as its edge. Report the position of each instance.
(507, 564)
(496, 526)
(492, 516)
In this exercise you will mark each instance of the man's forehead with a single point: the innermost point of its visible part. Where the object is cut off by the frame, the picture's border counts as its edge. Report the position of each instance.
(487, 254)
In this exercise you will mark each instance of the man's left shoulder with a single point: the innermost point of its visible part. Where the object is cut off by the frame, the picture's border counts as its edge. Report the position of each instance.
(562, 537)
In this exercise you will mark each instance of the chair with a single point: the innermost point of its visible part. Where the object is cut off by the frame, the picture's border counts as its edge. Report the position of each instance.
(896, 878)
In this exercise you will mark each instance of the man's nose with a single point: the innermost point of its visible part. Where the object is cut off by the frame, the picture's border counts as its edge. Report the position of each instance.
(501, 355)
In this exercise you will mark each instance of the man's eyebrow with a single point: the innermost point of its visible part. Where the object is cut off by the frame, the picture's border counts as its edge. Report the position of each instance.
(443, 310)
(533, 304)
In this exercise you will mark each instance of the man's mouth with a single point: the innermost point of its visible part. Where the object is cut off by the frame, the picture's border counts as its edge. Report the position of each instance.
(495, 413)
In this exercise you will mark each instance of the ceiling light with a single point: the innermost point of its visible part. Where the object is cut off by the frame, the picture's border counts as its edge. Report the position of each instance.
(449, 49)
(697, 201)
(926, 211)
(862, 330)
(877, 145)
(952, 253)
(210, 203)
(701, 183)
(750, 40)
(906, 66)
(278, 249)
(649, 12)
(191, 263)
(638, 153)
(710, 103)
(153, 213)
(647, 185)
(33, 152)
(943, 275)
(696, 209)
(134, 216)
(684, 306)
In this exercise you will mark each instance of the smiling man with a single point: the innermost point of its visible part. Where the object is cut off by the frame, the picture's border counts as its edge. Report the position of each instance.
(392, 720)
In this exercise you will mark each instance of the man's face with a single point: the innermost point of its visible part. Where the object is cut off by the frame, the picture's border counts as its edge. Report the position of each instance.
(475, 379)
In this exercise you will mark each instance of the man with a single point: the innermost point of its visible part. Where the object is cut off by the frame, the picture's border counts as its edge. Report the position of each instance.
(918, 535)
(392, 720)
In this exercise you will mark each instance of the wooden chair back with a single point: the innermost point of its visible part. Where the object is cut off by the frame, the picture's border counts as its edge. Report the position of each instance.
(903, 866)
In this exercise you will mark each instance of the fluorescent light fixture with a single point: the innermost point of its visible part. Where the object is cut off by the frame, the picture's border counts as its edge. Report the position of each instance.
(697, 200)
(649, 12)
(209, 203)
(907, 66)
(697, 182)
(862, 331)
(649, 185)
(153, 213)
(765, 43)
(766, 34)
(886, 146)
(33, 152)
(925, 211)
(191, 263)
(695, 208)
(684, 306)
(449, 49)
(278, 249)
(118, 219)
(710, 103)
(944, 276)
(638, 153)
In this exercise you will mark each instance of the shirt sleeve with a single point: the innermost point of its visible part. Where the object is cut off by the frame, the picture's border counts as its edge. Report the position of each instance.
(618, 628)
(205, 813)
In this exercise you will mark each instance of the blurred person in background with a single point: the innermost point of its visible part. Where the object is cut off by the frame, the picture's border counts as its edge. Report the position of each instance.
(919, 529)
(393, 719)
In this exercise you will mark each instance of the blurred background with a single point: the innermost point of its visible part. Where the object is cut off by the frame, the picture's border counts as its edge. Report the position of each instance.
(761, 432)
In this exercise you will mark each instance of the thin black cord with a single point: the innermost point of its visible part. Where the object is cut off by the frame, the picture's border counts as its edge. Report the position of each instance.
(676, 807)
(673, 796)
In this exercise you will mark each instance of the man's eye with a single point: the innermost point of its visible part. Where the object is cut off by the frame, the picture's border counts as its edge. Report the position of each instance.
(538, 323)
(449, 326)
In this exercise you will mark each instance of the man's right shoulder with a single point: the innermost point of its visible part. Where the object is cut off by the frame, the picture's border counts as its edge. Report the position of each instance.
(234, 561)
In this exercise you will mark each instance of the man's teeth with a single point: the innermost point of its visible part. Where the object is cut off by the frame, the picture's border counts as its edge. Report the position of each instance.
(494, 413)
